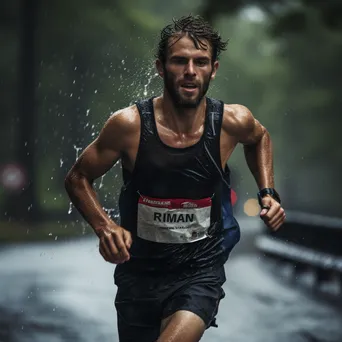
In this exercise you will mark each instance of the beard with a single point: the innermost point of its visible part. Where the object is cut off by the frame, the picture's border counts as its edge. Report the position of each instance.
(181, 101)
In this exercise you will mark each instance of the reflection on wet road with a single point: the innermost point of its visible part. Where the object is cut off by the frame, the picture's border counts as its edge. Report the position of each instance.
(64, 291)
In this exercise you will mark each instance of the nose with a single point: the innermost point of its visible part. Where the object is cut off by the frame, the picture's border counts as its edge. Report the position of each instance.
(190, 69)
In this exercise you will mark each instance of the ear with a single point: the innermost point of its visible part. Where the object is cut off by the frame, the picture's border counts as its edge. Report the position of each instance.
(160, 68)
(215, 67)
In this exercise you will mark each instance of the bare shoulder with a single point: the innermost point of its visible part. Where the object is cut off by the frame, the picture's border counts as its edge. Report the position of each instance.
(238, 121)
(236, 118)
(123, 120)
(118, 130)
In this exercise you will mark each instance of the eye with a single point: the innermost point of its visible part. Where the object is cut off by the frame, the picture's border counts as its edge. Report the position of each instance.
(202, 62)
(179, 60)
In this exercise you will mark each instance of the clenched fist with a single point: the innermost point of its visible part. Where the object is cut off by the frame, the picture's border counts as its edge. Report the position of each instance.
(115, 242)
(272, 213)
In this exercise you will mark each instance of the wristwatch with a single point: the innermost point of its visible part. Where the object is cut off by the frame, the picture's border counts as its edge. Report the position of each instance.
(268, 191)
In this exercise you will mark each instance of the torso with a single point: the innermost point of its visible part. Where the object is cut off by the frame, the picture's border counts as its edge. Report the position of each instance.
(227, 140)
(163, 166)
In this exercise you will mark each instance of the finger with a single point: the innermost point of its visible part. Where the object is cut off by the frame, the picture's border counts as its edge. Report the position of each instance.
(119, 242)
(272, 211)
(103, 253)
(266, 204)
(110, 244)
(277, 224)
(264, 210)
(127, 238)
(278, 215)
(111, 250)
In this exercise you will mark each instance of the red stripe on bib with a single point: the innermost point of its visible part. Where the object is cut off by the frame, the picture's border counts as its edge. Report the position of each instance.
(175, 203)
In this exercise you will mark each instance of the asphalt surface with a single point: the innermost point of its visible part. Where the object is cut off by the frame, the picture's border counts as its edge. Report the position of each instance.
(64, 291)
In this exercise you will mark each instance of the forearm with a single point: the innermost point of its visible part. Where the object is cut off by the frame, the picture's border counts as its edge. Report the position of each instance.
(259, 157)
(85, 200)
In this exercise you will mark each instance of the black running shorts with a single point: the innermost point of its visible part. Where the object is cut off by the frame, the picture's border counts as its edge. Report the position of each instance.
(143, 301)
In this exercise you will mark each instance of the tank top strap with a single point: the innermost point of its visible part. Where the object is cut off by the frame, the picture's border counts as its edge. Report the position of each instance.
(145, 108)
(213, 131)
(215, 113)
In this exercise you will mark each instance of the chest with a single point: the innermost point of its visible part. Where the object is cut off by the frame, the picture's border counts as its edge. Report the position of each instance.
(178, 140)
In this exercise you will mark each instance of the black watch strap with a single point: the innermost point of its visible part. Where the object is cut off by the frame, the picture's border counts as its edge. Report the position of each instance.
(268, 191)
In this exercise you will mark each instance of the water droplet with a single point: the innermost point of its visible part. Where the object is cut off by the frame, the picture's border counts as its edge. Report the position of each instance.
(77, 150)
(101, 183)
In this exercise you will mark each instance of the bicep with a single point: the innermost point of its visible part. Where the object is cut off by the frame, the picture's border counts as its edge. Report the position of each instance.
(252, 133)
(101, 154)
(241, 124)
(96, 160)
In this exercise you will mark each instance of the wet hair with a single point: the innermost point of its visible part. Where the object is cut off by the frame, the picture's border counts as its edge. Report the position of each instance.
(197, 29)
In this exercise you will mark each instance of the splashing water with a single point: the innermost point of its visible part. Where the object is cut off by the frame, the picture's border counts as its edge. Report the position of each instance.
(101, 183)
(150, 78)
(133, 88)
(77, 149)
(70, 208)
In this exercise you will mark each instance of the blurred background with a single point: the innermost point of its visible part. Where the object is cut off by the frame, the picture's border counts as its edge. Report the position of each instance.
(67, 65)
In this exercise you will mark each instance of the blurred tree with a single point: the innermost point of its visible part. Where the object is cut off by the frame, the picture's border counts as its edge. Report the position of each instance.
(300, 102)
(26, 206)
(286, 15)
(93, 57)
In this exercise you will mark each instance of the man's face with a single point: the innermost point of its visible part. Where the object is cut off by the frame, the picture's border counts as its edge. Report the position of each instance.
(187, 72)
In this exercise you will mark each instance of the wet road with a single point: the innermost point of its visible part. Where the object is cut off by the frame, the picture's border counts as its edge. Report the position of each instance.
(64, 291)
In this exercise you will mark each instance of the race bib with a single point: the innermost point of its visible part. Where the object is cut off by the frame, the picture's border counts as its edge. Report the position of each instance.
(173, 220)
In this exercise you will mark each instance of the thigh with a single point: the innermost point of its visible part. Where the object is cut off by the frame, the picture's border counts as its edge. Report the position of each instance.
(199, 294)
(182, 326)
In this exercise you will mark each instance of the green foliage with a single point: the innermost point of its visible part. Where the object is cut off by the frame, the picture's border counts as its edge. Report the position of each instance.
(94, 57)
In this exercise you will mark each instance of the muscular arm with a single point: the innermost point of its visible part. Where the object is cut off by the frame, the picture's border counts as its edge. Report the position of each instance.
(256, 140)
(240, 124)
(94, 162)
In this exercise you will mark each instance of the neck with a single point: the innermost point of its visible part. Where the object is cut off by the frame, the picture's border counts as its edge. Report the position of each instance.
(182, 120)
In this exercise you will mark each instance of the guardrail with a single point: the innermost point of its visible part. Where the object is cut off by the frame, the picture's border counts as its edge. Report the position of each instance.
(309, 242)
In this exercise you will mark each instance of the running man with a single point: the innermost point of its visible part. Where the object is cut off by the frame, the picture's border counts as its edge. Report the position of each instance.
(176, 226)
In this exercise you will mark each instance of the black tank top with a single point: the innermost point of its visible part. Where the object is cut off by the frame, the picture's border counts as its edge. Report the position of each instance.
(187, 177)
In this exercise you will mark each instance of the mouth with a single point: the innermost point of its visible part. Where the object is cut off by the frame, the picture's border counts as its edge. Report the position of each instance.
(189, 87)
